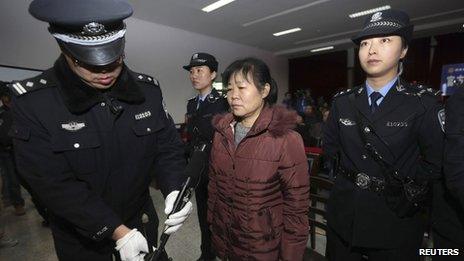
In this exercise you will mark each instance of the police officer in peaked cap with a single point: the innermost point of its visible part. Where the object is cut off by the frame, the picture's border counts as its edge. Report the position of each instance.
(200, 111)
(388, 137)
(87, 133)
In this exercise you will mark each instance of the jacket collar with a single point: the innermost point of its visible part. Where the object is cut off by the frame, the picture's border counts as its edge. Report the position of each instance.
(79, 97)
(276, 119)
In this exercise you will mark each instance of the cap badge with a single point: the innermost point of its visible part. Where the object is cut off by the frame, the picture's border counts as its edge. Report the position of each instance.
(376, 17)
(195, 56)
(93, 28)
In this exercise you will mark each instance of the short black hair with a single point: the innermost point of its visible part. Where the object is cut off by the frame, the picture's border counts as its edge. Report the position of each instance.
(260, 73)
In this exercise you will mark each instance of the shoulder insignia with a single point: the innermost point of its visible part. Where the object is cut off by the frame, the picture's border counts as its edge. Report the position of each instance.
(441, 118)
(348, 91)
(193, 98)
(29, 85)
(419, 91)
(146, 78)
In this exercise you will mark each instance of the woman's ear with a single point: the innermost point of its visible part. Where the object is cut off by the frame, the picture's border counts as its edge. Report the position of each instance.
(266, 90)
(404, 52)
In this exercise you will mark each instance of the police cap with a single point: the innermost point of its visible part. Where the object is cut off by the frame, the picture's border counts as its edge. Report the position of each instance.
(91, 31)
(199, 59)
(384, 23)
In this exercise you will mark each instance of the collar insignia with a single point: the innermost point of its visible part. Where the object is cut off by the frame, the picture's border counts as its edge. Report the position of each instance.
(73, 126)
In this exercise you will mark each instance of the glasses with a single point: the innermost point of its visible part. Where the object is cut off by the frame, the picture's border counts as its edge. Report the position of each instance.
(100, 68)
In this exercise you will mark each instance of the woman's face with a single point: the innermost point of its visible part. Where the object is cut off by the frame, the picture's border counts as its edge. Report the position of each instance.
(245, 100)
(201, 77)
(379, 56)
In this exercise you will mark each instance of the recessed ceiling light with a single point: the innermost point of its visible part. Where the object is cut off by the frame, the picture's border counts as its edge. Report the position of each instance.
(370, 11)
(289, 31)
(322, 49)
(216, 5)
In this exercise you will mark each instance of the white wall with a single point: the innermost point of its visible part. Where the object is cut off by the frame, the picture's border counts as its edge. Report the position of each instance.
(153, 49)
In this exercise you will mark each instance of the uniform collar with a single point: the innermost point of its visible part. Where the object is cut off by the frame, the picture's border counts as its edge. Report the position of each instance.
(384, 90)
(79, 97)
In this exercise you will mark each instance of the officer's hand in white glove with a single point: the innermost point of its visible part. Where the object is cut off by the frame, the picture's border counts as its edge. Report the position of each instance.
(132, 247)
(175, 220)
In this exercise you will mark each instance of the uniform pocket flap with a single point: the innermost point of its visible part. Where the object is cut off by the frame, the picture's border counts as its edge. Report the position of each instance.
(75, 141)
(19, 132)
(147, 127)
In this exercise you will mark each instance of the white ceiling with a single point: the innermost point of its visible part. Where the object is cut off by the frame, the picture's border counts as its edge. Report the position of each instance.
(323, 22)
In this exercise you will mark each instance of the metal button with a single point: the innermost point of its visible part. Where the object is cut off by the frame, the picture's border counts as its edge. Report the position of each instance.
(367, 130)
(102, 104)
(364, 156)
(77, 145)
(148, 129)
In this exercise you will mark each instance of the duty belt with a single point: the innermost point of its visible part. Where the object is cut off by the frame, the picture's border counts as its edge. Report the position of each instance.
(364, 181)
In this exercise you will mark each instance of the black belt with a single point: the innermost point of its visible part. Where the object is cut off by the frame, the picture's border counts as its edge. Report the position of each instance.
(364, 181)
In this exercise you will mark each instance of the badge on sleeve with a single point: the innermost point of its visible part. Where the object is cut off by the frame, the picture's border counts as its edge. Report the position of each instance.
(441, 119)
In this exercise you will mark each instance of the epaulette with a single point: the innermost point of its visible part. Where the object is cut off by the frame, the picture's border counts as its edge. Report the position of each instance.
(193, 98)
(346, 92)
(146, 78)
(418, 90)
(29, 85)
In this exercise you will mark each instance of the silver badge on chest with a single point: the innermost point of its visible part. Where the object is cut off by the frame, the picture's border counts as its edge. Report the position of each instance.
(73, 126)
(398, 124)
(142, 115)
(347, 122)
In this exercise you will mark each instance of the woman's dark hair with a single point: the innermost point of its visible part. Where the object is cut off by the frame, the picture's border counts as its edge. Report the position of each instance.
(258, 70)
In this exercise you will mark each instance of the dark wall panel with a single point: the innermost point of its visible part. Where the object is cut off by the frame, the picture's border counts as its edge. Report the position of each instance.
(322, 74)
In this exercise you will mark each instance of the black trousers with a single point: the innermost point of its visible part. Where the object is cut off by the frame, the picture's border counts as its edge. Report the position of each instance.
(201, 195)
(11, 186)
(339, 250)
(440, 242)
(71, 246)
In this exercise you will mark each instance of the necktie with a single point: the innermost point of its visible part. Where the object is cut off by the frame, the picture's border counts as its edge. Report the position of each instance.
(200, 101)
(375, 96)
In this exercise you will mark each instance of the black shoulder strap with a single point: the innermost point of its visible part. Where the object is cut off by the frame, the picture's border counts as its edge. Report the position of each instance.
(363, 128)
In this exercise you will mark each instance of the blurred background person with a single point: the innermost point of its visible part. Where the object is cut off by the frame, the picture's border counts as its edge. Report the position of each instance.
(11, 190)
(200, 111)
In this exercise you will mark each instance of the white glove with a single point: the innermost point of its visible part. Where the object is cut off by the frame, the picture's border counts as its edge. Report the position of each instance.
(132, 247)
(175, 221)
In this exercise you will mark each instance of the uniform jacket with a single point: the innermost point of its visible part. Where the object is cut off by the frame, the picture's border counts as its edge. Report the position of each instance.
(259, 190)
(89, 166)
(449, 214)
(408, 134)
(199, 126)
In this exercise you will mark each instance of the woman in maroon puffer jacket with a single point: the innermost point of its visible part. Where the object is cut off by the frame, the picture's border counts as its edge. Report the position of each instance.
(259, 183)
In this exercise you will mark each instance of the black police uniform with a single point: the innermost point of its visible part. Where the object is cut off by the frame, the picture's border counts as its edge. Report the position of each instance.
(406, 131)
(87, 155)
(448, 211)
(200, 130)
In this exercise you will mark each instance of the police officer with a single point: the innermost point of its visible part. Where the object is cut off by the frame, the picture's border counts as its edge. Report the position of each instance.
(200, 111)
(88, 131)
(448, 222)
(388, 137)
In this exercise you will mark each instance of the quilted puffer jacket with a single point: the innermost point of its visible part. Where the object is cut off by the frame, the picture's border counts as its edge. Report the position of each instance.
(259, 190)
